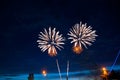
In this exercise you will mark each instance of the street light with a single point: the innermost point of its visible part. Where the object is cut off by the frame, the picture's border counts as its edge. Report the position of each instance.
(104, 73)
(44, 73)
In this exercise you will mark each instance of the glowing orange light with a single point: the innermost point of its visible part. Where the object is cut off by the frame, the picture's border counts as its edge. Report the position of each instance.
(52, 51)
(77, 49)
(104, 71)
(44, 72)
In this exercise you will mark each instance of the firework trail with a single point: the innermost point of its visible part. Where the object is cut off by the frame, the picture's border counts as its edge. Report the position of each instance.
(58, 69)
(67, 69)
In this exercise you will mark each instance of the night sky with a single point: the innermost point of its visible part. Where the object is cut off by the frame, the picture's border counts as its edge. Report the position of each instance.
(22, 20)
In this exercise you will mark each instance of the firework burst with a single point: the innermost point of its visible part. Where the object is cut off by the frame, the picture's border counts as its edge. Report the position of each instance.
(81, 35)
(50, 40)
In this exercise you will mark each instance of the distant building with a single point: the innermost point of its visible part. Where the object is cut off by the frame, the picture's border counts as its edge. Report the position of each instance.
(31, 76)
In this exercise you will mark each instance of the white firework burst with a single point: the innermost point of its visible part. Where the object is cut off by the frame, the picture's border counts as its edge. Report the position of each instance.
(82, 35)
(50, 40)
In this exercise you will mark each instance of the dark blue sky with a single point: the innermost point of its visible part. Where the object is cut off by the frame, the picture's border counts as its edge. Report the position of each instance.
(21, 22)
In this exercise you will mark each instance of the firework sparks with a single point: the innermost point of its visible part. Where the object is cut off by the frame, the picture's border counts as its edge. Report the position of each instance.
(81, 35)
(50, 41)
